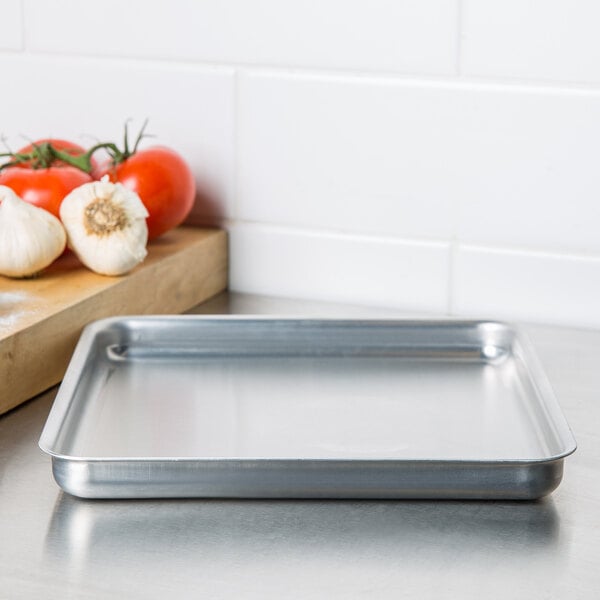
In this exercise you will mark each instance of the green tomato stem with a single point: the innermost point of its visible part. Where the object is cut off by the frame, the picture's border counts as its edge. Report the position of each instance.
(43, 155)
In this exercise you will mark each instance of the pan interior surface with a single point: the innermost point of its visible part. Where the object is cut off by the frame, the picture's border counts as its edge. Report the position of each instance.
(194, 406)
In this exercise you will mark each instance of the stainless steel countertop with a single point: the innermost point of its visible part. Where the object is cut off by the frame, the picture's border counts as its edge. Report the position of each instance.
(56, 546)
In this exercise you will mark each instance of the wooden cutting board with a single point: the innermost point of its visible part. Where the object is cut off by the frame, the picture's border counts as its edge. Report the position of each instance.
(41, 319)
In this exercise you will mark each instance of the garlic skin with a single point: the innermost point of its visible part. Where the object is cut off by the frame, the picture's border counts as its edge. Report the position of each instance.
(30, 237)
(106, 226)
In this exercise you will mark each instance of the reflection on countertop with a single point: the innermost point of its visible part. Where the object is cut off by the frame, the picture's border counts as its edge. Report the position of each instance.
(196, 540)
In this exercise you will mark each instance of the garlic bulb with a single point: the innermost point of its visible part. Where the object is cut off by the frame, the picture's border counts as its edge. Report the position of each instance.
(106, 226)
(30, 237)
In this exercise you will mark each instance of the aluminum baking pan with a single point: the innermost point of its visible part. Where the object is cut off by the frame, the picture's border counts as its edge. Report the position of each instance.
(196, 406)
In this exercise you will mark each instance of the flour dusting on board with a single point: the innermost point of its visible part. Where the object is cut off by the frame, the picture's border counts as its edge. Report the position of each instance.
(11, 308)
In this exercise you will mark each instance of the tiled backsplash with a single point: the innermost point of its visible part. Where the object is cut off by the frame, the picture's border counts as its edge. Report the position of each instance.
(436, 155)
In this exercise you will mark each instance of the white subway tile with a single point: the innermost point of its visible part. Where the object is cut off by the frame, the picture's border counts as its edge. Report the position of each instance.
(530, 173)
(324, 266)
(393, 35)
(190, 109)
(540, 39)
(345, 153)
(488, 164)
(527, 286)
(11, 25)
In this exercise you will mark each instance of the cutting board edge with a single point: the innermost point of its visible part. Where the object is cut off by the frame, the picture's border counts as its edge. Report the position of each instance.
(35, 358)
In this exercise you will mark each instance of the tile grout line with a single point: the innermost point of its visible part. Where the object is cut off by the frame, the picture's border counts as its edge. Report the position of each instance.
(407, 239)
(527, 85)
(294, 229)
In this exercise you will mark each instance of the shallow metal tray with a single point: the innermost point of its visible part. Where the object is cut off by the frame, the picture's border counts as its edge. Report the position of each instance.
(262, 407)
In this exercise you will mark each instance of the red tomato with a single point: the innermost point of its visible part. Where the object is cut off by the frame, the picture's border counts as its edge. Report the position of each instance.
(163, 181)
(45, 188)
